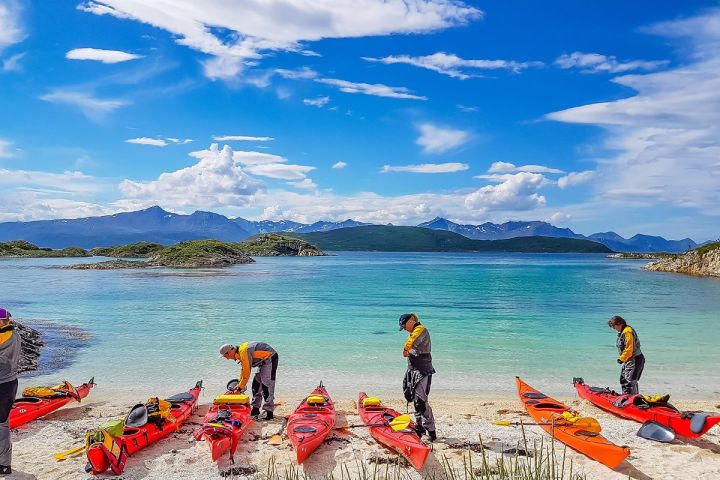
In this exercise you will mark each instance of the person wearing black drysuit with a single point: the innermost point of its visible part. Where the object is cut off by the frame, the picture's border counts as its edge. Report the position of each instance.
(630, 356)
(10, 349)
(418, 377)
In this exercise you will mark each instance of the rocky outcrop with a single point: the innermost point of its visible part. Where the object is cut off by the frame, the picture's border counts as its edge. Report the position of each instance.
(703, 261)
(275, 245)
(109, 265)
(199, 254)
(32, 343)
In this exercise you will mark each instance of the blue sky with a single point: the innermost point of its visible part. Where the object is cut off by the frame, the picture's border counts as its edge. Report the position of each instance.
(595, 116)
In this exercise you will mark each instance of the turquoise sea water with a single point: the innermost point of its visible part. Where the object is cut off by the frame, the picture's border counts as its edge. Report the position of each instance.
(491, 317)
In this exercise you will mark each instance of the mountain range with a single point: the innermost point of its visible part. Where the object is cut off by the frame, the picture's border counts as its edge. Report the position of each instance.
(157, 225)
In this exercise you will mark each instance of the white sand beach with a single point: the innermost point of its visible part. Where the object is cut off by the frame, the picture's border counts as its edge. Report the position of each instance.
(461, 422)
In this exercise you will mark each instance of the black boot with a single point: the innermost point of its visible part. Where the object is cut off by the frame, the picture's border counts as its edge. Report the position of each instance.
(268, 415)
(255, 412)
(5, 470)
(420, 430)
(432, 435)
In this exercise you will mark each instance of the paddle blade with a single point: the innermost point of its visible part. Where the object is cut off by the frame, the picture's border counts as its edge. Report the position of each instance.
(69, 453)
(502, 423)
(654, 431)
(401, 422)
(275, 440)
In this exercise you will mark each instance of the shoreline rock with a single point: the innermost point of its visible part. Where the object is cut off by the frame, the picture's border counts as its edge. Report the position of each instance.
(640, 256)
(703, 261)
(32, 344)
(109, 265)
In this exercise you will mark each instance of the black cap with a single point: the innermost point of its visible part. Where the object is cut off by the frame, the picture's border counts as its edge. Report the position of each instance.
(404, 319)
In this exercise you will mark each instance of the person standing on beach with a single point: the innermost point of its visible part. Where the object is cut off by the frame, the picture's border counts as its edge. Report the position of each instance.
(10, 349)
(418, 377)
(631, 357)
(251, 355)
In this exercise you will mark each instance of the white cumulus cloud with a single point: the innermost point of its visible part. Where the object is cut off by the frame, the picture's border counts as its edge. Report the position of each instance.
(518, 192)
(304, 73)
(453, 66)
(100, 55)
(436, 139)
(237, 34)
(427, 168)
(339, 165)
(216, 180)
(598, 63)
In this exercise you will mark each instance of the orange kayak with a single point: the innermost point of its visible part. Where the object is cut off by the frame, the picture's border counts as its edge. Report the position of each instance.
(405, 442)
(547, 412)
(26, 409)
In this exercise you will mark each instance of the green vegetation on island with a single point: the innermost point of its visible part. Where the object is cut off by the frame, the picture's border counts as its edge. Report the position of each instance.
(382, 238)
(200, 253)
(275, 245)
(132, 250)
(23, 249)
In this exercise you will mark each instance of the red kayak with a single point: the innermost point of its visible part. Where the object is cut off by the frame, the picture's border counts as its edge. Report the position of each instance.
(102, 456)
(547, 412)
(27, 409)
(225, 423)
(635, 407)
(311, 423)
(405, 442)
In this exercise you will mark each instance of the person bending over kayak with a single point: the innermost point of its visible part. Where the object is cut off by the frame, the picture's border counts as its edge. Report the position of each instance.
(10, 349)
(251, 355)
(418, 377)
(631, 358)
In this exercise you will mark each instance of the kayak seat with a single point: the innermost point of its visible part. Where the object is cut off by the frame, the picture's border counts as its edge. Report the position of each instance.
(28, 400)
(180, 397)
(623, 401)
(302, 429)
(534, 395)
(138, 416)
(607, 390)
(550, 406)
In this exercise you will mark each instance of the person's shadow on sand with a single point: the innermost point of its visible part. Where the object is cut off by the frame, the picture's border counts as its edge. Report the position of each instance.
(18, 475)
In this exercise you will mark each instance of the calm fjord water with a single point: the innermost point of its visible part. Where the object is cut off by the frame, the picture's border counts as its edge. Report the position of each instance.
(491, 317)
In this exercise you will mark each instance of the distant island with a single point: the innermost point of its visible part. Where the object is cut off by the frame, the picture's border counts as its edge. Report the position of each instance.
(23, 249)
(385, 238)
(155, 225)
(189, 254)
(703, 261)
